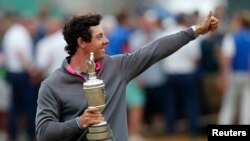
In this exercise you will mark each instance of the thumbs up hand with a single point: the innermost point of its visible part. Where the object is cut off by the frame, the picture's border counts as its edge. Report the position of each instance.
(210, 23)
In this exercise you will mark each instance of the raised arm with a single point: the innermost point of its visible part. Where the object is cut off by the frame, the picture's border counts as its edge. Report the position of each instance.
(135, 63)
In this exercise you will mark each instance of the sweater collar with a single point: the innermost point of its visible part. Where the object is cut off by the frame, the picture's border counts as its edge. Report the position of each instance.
(70, 70)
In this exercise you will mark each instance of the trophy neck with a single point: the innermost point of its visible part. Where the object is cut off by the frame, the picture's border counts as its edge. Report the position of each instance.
(92, 76)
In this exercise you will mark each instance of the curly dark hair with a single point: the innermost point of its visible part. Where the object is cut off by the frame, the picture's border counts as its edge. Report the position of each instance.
(79, 26)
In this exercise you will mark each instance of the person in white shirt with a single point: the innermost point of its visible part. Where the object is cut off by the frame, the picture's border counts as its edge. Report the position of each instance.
(181, 85)
(50, 51)
(17, 46)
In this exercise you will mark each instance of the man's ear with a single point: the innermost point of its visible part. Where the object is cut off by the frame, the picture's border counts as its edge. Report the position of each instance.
(81, 43)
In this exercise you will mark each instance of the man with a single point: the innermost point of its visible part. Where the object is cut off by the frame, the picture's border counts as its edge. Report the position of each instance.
(62, 113)
(235, 68)
(17, 48)
(181, 86)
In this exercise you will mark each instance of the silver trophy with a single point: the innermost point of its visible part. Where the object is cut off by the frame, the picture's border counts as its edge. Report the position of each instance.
(94, 91)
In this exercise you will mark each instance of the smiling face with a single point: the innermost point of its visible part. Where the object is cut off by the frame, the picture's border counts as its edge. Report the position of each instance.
(97, 43)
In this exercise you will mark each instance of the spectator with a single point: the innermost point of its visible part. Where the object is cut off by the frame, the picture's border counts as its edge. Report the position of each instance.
(17, 47)
(235, 67)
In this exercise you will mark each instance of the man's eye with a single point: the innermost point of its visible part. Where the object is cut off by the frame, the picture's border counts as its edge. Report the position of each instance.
(99, 37)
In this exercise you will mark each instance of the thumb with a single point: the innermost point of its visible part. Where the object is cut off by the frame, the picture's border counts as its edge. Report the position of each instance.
(210, 14)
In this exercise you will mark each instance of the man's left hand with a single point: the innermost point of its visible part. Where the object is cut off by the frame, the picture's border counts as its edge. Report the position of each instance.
(210, 23)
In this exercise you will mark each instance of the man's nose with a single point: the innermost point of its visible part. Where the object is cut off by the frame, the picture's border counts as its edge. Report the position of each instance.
(106, 40)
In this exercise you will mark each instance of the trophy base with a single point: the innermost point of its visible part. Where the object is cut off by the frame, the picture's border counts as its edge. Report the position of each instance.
(100, 132)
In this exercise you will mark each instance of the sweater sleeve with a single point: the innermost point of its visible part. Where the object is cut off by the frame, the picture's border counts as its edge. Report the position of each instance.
(48, 124)
(133, 64)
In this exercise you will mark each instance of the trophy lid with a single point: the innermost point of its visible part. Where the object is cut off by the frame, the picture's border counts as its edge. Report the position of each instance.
(91, 66)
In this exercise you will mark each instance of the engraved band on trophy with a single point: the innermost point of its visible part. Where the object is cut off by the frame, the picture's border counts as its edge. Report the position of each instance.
(94, 91)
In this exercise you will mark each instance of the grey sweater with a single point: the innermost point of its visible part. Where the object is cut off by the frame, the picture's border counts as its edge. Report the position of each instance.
(61, 97)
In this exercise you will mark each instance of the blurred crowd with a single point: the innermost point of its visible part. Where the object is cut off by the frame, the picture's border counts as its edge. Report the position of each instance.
(205, 82)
